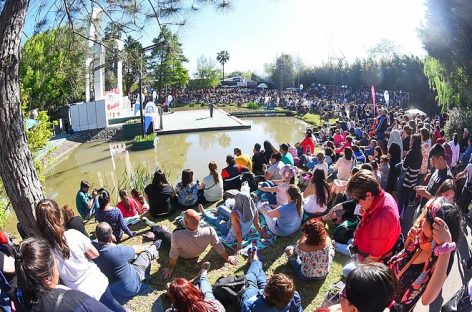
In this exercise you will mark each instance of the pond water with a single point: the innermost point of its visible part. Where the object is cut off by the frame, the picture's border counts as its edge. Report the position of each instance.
(106, 164)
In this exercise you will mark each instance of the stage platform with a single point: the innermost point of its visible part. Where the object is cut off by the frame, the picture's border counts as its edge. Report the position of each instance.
(200, 120)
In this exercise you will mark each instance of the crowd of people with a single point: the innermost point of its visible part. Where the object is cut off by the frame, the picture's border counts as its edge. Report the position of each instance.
(363, 178)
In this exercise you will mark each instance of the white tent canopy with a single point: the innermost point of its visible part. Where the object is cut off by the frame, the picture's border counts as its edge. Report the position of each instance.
(414, 112)
(262, 86)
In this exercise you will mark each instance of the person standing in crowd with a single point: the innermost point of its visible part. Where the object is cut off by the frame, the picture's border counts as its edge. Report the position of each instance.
(86, 204)
(242, 159)
(211, 107)
(161, 196)
(411, 170)
(73, 253)
(407, 132)
(425, 147)
(38, 279)
(382, 125)
(466, 195)
(456, 150)
(441, 173)
(395, 152)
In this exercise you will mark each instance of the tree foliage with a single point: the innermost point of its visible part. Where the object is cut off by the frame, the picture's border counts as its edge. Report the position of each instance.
(133, 62)
(166, 61)
(207, 75)
(282, 71)
(52, 69)
(447, 37)
(222, 57)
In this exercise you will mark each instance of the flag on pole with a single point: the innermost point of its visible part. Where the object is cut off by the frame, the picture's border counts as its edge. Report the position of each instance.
(373, 99)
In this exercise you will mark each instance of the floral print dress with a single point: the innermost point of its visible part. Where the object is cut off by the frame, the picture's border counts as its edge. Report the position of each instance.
(187, 195)
(316, 263)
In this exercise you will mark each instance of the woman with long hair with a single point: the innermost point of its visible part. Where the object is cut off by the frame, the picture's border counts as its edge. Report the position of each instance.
(38, 277)
(313, 254)
(317, 194)
(73, 252)
(411, 170)
(286, 219)
(212, 184)
(113, 216)
(186, 297)
(395, 152)
(377, 154)
(140, 200)
(161, 196)
(187, 190)
(344, 165)
(128, 208)
(269, 149)
(422, 266)
(267, 189)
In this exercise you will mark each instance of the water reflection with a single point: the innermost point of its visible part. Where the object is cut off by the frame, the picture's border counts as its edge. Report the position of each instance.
(103, 164)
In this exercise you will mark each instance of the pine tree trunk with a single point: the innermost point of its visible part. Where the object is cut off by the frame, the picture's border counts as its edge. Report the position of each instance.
(16, 164)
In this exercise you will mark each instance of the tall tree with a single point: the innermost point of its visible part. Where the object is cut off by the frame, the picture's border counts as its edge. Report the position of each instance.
(16, 166)
(447, 37)
(52, 69)
(282, 71)
(222, 57)
(166, 61)
(133, 62)
(207, 74)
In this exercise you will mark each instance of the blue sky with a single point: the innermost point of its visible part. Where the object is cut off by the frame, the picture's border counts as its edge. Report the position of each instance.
(254, 32)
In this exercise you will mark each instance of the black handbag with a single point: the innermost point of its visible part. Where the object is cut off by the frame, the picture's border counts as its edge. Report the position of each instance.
(460, 302)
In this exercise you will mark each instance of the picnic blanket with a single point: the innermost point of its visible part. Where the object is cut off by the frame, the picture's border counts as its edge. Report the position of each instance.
(251, 239)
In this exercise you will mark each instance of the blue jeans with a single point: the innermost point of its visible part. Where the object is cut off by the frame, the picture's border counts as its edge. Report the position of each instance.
(220, 220)
(296, 265)
(404, 199)
(342, 248)
(110, 302)
(255, 280)
(267, 196)
(205, 286)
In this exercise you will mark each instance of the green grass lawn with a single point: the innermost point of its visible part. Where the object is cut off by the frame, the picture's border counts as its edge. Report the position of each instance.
(275, 261)
(316, 120)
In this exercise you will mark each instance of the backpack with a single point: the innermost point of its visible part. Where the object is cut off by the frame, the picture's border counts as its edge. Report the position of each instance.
(229, 290)
(345, 231)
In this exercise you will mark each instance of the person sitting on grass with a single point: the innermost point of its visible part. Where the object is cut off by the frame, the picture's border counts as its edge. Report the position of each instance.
(71, 221)
(267, 189)
(275, 294)
(187, 190)
(125, 266)
(112, 216)
(242, 159)
(161, 196)
(313, 254)
(286, 219)
(191, 241)
(231, 174)
(235, 223)
(128, 208)
(317, 194)
(185, 296)
(139, 198)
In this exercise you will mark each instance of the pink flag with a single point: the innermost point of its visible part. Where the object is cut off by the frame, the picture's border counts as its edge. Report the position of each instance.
(373, 98)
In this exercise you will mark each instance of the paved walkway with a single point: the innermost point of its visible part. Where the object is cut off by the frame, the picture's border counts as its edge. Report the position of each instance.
(199, 120)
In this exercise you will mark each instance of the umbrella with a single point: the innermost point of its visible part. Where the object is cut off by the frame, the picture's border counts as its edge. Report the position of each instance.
(262, 86)
(414, 112)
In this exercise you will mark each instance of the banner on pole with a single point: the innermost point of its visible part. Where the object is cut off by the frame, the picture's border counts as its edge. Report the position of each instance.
(373, 99)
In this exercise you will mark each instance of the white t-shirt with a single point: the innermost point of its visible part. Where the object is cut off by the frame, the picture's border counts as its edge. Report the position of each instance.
(275, 170)
(323, 166)
(78, 272)
(344, 168)
(213, 192)
(310, 205)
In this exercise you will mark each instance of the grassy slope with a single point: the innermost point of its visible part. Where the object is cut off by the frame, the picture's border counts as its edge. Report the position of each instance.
(275, 261)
